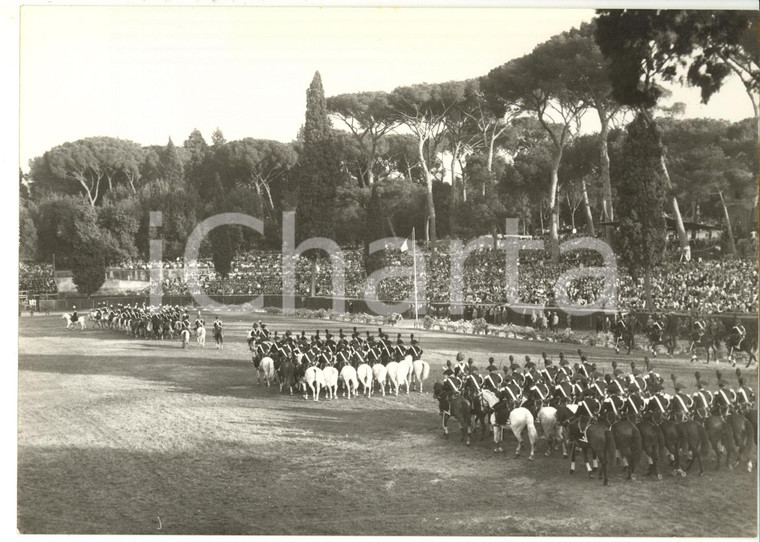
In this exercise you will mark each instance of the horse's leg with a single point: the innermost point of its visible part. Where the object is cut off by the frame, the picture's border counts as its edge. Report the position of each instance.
(445, 424)
(517, 432)
(572, 458)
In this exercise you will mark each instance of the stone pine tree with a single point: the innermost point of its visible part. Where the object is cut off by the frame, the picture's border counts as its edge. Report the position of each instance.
(373, 230)
(317, 174)
(642, 192)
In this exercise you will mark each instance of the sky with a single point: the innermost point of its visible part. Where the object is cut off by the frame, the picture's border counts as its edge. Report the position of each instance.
(151, 73)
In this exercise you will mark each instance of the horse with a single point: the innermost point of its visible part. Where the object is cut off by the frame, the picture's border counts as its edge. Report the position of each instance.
(622, 333)
(743, 434)
(200, 334)
(672, 437)
(455, 407)
(656, 337)
(314, 378)
(349, 378)
(552, 430)
(69, 324)
(472, 392)
(287, 375)
(653, 445)
(219, 337)
(185, 336)
(628, 442)
(380, 373)
(392, 370)
(602, 444)
(405, 372)
(421, 372)
(706, 341)
(695, 441)
(331, 381)
(520, 418)
(266, 366)
(747, 345)
(364, 375)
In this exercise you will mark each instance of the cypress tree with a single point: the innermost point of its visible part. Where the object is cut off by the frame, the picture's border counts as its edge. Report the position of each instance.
(642, 197)
(318, 171)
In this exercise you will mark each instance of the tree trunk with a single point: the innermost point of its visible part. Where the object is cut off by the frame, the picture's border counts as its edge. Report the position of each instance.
(430, 203)
(608, 214)
(313, 278)
(389, 222)
(648, 289)
(554, 224)
(729, 230)
(683, 239)
(587, 206)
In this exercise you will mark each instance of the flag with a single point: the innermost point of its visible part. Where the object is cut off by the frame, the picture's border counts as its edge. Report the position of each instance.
(405, 246)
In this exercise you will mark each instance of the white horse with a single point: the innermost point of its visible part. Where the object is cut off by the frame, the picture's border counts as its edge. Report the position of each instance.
(519, 419)
(349, 378)
(547, 418)
(69, 324)
(315, 379)
(421, 372)
(331, 381)
(391, 371)
(380, 373)
(185, 336)
(266, 366)
(405, 372)
(200, 334)
(364, 374)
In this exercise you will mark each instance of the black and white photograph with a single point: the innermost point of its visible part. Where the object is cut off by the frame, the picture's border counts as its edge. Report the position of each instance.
(406, 270)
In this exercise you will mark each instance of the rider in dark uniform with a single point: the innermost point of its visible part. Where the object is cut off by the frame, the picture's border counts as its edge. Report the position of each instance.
(74, 315)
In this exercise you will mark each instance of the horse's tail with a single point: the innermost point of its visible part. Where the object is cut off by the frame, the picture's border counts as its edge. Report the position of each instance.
(425, 370)
(532, 432)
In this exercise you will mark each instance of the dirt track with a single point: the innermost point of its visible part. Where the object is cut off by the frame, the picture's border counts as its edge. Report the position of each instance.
(118, 435)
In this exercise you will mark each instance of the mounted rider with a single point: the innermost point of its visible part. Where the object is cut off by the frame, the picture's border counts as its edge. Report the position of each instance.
(698, 328)
(681, 405)
(460, 366)
(414, 350)
(745, 397)
(738, 333)
(74, 315)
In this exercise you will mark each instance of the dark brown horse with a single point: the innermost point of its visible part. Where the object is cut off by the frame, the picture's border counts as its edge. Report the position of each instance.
(694, 442)
(602, 444)
(628, 443)
(287, 375)
(720, 437)
(672, 438)
(453, 406)
(653, 445)
(743, 433)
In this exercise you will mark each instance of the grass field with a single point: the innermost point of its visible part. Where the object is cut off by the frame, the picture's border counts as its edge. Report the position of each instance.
(124, 436)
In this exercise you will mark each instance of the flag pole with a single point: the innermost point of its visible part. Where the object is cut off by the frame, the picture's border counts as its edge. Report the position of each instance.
(414, 263)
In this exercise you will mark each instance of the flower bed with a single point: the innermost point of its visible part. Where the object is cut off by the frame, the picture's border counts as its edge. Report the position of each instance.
(328, 314)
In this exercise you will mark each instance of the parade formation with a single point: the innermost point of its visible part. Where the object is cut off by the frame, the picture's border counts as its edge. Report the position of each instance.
(578, 405)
